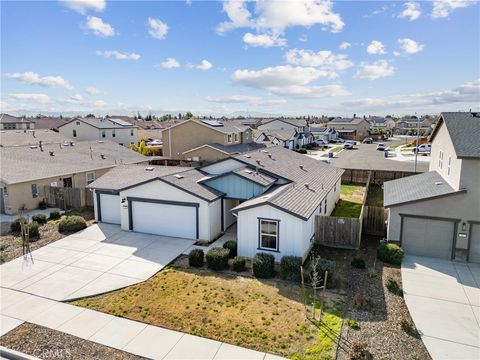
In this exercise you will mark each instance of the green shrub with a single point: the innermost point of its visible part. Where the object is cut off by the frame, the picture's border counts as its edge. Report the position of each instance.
(302, 151)
(263, 265)
(393, 287)
(71, 224)
(15, 226)
(326, 265)
(54, 215)
(33, 231)
(290, 268)
(352, 324)
(239, 263)
(358, 263)
(39, 218)
(196, 258)
(217, 258)
(390, 253)
(409, 328)
(372, 273)
(231, 245)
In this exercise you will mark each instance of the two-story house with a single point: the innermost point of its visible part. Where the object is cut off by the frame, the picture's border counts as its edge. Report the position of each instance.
(9, 122)
(437, 213)
(350, 128)
(90, 128)
(300, 126)
(207, 140)
(381, 124)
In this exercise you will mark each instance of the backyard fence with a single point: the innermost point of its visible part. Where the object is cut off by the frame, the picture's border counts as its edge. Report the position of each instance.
(67, 198)
(374, 218)
(338, 232)
(352, 176)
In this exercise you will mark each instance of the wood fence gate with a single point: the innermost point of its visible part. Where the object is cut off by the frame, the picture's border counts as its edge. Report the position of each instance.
(374, 220)
(68, 198)
(338, 231)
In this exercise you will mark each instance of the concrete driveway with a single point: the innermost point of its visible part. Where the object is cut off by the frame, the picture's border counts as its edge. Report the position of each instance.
(99, 259)
(443, 298)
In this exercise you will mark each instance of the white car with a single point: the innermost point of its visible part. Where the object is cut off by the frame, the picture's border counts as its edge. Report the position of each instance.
(381, 146)
(348, 145)
(321, 142)
(423, 149)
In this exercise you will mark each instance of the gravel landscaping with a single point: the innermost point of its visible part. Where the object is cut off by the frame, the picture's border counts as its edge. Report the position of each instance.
(50, 344)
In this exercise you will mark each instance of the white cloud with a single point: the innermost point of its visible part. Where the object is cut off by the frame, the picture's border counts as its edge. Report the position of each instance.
(76, 98)
(443, 8)
(118, 55)
(410, 46)
(170, 63)
(264, 40)
(323, 59)
(35, 79)
(278, 15)
(288, 80)
(412, 11)
(92, 90)
(376, 48)
(374, 70)
(344, 45)
(38, 98)
(98, 27)
(82, 6)
(204, 65)
(466, 93)
(244, 99)
(157, 28)
(396, 53)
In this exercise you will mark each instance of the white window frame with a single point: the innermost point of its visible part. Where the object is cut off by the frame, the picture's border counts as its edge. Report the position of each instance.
(103, 134)
(87, 176)
(74, 132)
(229, 138)
(440, 160)
(34, 193)
(131, 132)
(113, 133)
(275, 236)
(449, 165)
(235, 137)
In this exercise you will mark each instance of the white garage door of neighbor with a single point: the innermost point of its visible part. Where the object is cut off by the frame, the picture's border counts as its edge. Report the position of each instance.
(427, 237)
(474, 255)
(164, 219)
(110, 208)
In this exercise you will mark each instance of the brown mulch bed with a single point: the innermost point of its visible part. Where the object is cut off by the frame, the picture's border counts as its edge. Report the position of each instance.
(380, 321)
(50, 344)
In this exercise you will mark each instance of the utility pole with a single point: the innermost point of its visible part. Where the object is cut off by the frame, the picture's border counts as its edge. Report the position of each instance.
(416, 148)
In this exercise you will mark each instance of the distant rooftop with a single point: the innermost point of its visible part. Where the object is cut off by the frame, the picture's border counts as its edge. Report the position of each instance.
(31, 137)
(105, 123)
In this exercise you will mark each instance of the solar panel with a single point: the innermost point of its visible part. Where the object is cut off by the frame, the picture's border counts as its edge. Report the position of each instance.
(120, 122)
(214, 123)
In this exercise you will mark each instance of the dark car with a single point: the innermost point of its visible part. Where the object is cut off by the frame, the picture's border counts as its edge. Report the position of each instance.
(368, 140)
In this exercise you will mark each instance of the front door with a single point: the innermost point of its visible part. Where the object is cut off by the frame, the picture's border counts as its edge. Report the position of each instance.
(67, 182)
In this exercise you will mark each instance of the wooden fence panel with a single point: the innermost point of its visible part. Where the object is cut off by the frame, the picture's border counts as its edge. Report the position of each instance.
(354, 176)
(67, 198)
(374, 220)
(338, 231)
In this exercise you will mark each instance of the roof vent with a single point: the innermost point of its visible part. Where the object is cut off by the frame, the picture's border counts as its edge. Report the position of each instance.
(307, 186)
(33, 146)
(301, 167)
(178, 176)
(264, 151)
(72, 143)
(66, 144)
(100, 141)
(248, 171)
(51, 153)
(149, 168)
(438, 183)
(102, 156)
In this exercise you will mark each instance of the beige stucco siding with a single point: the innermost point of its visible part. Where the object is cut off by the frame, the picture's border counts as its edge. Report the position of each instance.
(206, 154)
(20, 194)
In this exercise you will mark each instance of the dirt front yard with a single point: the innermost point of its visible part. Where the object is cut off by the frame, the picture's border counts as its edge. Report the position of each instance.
(262, 315)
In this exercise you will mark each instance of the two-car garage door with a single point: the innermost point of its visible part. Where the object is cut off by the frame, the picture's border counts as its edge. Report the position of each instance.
(428, 237)
(174, 219)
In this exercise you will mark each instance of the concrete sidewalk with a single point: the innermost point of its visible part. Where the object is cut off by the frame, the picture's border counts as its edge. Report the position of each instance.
(443, 298)
(119, 333)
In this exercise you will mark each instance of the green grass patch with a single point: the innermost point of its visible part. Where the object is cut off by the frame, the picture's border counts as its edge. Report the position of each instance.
(375, 196)
(336, 149)
(347, 209)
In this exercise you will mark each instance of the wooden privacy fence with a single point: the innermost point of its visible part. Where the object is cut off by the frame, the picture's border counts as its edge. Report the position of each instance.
(352, 176)
(338, 231)
(374, 218)
(68, 198)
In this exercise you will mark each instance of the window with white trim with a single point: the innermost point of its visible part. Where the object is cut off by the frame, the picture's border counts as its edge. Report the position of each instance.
(34, 190)
(268, 234)
(113, 133)
(90, 177)
(440, 160)
(131, 132)
(229, 138)
(235, 136)
(103, 133)
(74, 133)
(449, 165)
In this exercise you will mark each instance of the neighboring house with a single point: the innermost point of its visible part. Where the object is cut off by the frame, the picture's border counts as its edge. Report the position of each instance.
(48, 122)
(437, 213)
(8, 122)
(409, 126)
(27, 170)
(287, 138)
(323, 133)
(350, 128)
(32, 137)
(381, 124)
(300, 126)
(206, 140)
(273, 195)
(90, 128)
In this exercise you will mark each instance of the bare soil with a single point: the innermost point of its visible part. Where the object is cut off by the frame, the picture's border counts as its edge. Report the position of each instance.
(50, 344)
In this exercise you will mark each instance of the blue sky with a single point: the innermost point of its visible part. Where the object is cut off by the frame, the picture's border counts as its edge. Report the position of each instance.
(290, 57)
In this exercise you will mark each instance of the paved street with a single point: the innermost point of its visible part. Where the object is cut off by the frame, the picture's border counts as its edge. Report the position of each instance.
(443, 298)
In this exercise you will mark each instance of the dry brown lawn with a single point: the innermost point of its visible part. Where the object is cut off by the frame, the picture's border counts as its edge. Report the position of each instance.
(266, 316)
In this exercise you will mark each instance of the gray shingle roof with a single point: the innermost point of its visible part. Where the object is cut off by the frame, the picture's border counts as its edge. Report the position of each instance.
(227, 126)
(5, 118)
(31, 137)
(413, 188)
(107, 123)
(237, 148)
(259, 178)
(294, 122)
(349, 121)
(190, 182)
(281, 134)
(22, 163)
(464, 130)
(124, 176)
(310, 180)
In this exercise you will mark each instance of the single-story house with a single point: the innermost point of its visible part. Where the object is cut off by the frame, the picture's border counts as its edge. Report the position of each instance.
(28, 170)
(272, 194)
(437, 213)
(9, 122)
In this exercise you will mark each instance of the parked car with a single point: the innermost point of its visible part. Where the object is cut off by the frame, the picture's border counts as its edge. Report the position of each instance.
(351, 142)
(423, 149)
(348, 146)
(368, 140)
(381, 146)
(155, 143)
(321, 142)
(337, 141)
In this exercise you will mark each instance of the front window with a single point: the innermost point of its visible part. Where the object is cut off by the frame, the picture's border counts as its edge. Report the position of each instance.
(78, 122)
(440, 160)
(74, 133)
(34, 190)
(113, 133)
(229, 138)
(268, 237)
(103, 133)
(90, 177)
(236, 137)
(131, 132)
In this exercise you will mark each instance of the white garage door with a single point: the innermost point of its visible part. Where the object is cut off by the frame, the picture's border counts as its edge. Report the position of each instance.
(474, 255)
(110, 208)
(427, 237)
(164, 219)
